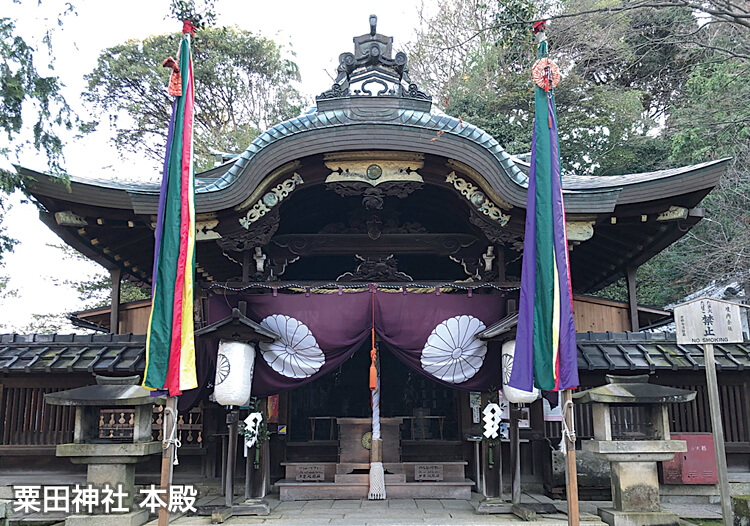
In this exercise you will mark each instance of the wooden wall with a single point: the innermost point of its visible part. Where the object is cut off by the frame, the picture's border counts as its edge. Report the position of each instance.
(134, 318)
(600, 315)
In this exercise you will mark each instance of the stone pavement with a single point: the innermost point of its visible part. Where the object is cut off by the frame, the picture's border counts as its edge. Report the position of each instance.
(405, 512)
(399, 512)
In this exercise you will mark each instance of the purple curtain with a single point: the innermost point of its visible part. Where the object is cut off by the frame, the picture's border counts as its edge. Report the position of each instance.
(431, 333)
(410, 323)
(338, 323)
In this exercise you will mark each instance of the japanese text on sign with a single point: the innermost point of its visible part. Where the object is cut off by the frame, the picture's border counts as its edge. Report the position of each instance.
(708, 321)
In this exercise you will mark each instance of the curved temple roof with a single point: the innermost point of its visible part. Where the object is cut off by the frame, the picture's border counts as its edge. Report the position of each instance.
(374, 106)
(400, 117)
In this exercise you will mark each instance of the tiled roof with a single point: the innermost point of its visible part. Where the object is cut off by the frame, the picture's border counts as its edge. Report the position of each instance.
(658, 351)
(66, 353)
(126, 353)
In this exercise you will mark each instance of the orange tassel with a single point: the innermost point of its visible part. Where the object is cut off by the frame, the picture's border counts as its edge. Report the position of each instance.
(373, 378)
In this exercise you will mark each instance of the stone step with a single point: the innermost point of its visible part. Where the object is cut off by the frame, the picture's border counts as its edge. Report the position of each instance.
(364, 478)
(292, 490)
(347, 468)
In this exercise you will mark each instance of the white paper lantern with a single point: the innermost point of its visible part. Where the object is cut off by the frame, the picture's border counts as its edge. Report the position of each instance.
(234, 373)
(512, 394)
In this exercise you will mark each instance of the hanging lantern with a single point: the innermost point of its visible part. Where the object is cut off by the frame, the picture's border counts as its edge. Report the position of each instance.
(234, 373)
(516, 396)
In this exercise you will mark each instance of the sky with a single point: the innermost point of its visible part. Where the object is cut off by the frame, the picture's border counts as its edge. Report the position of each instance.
(316, 32)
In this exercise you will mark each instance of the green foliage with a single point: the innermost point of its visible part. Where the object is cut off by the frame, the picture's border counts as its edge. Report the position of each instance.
(24, 88)
(26, 94)
(97, 291)
(643, 51)
(187, 10)
(643, 89)
(242, 86)
(45, 324)
(604, 128)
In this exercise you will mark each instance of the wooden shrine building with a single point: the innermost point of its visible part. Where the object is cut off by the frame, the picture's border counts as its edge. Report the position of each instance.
(374, 208)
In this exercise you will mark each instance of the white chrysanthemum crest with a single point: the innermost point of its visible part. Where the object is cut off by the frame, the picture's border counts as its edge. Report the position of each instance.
(296, 353)
(453, 353)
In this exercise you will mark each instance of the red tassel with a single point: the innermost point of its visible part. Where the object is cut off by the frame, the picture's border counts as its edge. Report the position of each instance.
(373, 378)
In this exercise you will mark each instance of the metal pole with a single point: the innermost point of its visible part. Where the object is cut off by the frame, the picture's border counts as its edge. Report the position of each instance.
(571, 474)
(718, 433)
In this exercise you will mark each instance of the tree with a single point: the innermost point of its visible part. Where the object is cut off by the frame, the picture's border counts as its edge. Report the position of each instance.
(26, 93)
(242, 86)
(647, 85)
(604, 129)
(97, 291)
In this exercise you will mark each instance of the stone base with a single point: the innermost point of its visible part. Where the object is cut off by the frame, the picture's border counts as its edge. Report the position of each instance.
(638, 518)
(220, 513)
(741, 510)
(292, 490)
(491, 506)
(134, 518)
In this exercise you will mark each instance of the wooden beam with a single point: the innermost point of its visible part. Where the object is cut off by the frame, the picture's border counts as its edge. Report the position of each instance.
(630, 273)
(114, 312)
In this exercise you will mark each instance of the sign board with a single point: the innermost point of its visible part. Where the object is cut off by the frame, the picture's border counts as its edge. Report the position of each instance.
(708, 320)
(310, 473)
(475, 401)
(273, 409)
(431, 472)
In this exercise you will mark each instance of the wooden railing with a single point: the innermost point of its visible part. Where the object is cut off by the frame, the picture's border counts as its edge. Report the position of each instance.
(25, 420)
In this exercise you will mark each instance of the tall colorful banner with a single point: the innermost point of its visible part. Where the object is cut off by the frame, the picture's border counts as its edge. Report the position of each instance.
(545, 355)
(170, 343)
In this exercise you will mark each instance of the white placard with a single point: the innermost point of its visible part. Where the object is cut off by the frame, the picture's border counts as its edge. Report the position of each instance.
(707, 320)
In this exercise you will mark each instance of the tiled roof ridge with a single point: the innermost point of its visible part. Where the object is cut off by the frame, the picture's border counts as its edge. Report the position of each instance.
(54, 338)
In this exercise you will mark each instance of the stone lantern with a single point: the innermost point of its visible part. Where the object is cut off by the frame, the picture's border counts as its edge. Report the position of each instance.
(108, 462)
(635, 482)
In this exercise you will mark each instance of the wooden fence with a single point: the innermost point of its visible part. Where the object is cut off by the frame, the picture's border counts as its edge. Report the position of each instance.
(26, 421)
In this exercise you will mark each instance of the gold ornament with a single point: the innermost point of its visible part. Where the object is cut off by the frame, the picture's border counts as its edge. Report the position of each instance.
(367, 440)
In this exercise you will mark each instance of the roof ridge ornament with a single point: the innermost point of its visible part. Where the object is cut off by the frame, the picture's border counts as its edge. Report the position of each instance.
(371, 64)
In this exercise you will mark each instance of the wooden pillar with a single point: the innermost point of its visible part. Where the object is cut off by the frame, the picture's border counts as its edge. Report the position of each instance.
(114, 312)
(571, 473)
(246, 262)
(233, 417)
(501, 263)
(515, 455)
(632, 298)
(718, 432)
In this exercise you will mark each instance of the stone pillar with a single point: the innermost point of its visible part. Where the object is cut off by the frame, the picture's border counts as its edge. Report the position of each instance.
(635, 486)
(660, 421)
(86, 424)
(142, 423)
(602, 421)
(99, 475)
